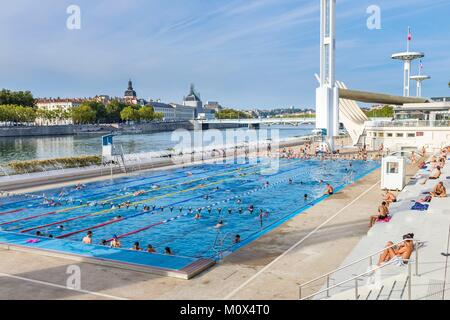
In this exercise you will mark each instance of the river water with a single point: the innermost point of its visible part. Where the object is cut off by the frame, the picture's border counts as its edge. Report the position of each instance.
(27, 148)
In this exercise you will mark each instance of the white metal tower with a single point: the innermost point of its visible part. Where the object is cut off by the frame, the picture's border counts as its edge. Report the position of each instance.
(419, 79)
(407, 57)
(327, 95)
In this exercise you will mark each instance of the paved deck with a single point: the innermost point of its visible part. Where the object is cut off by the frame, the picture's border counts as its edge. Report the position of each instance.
(431, 227)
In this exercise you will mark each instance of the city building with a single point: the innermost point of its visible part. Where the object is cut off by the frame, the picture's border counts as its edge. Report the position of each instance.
(434, 111)
(415, 125)
(105, 99)
(61, 105)
(130, 96)
(183, 113)
(193, 100)
(440, 99)
(213, 105)
(167, 110)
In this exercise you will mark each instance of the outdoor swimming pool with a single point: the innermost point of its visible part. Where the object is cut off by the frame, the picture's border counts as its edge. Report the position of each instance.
(215, 191)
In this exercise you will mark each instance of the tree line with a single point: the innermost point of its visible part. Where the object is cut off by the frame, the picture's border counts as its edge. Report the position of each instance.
(384, 112)
(20, 107)
(232, 114)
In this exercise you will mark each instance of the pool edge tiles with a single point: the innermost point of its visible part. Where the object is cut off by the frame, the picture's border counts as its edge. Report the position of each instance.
(159, 264)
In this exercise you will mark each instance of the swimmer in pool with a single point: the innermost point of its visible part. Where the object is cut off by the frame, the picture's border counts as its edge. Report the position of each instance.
(115, 242)
(168, 251)
(150, 249)
(138, 193)
(237, 239)
(305, 197)
(197, 216)
(88, 238)
(251, 208)
(136, 247)
(330, 190)
(79, 186)
(219, 224)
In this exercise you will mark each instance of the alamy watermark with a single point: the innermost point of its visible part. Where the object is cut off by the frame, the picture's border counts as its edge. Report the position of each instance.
(73, 281)
(232, 146)
(73, 21)
(374, 20)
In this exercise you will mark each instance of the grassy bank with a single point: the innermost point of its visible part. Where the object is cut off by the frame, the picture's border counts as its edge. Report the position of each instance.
(50, 164)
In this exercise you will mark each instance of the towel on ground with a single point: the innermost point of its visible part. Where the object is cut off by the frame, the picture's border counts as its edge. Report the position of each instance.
(420, 206)
(386, 219)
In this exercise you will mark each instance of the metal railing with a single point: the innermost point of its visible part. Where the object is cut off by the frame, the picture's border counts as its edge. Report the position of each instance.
(357, 277)
(408, 123)
(369, 257)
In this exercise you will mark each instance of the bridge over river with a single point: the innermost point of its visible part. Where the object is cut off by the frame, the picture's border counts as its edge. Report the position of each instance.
(250, 123)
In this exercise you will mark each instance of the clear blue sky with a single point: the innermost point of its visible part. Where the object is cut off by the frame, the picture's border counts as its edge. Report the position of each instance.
(243, 53)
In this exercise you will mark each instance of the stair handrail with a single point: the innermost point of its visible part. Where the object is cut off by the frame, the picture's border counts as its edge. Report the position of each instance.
(416, 249)
(362, 275)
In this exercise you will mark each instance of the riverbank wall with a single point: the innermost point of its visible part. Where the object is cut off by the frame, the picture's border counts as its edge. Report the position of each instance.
(153, 127)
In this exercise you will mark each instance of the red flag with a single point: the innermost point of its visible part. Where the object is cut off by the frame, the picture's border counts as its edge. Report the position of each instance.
(409, 34)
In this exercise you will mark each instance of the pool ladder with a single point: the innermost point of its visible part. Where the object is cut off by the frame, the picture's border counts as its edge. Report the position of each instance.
(218, 244)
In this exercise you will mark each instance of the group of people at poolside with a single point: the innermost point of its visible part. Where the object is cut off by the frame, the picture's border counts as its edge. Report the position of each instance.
(439, 191)
(402, 252)
(306, 152)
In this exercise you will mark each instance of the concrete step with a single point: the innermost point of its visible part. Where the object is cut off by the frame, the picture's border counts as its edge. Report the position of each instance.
(392, 288)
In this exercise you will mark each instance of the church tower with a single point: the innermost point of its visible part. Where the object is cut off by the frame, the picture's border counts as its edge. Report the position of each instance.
(130, 95)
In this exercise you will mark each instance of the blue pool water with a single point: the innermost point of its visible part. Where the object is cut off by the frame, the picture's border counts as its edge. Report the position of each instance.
(171, 194)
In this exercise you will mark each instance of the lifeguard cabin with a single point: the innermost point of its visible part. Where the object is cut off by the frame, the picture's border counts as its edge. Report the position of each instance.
(393, 173)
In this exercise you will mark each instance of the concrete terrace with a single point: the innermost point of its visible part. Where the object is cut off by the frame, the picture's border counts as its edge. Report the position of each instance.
(431, 227)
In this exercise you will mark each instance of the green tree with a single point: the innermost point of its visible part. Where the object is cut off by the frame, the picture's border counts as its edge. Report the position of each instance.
(20, 98)
(158, 116)
(100, 110)
(146, 113)
(83, 115)
(232, 114)
(113, 110)
(130, 114)
(15, 113)
(385, 112)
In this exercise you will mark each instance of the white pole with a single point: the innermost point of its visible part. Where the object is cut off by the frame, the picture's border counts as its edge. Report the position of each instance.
(407, 71)
(322, 41)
